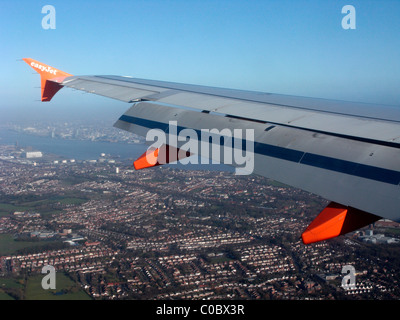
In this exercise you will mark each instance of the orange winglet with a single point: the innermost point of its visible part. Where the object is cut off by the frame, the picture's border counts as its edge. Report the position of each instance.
(159, 156)
(336, 220)
(49, 88)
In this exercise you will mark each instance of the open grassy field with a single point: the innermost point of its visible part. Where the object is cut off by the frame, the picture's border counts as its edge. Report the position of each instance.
(9, 246)
(6, 208)
(10, 283)
(5, 296)
(43, 206)
(66, 289)
(31, 289)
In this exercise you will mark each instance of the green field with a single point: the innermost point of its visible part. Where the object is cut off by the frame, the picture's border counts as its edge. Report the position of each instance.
(11, 284)
(9, 246)
(72, 201)
(3, 213)
(43, 206)
(5, 296)
(66, 289)
(9, 208)
(40, 203)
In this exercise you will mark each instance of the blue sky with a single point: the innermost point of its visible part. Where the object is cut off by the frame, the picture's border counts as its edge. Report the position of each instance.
(282, 46)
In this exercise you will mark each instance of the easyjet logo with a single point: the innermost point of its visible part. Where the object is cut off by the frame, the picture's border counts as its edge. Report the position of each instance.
(44, 68)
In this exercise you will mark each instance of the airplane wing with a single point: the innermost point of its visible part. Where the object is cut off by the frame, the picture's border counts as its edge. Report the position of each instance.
(346, 152)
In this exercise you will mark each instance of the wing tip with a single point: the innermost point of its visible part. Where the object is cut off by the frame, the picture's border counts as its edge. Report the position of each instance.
(50, 78)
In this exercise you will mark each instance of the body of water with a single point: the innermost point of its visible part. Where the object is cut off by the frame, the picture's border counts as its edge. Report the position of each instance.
(90, 150)
(72, 149)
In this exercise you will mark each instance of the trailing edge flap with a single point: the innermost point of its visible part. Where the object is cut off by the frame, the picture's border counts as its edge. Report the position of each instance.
(159, 156)
(336, 220)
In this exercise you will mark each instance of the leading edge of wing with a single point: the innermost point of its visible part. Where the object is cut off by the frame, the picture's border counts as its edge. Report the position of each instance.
(297, 112)
(111, 86)
(339, 107)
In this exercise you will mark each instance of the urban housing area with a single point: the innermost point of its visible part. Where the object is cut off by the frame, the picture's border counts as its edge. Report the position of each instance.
(167, 233)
